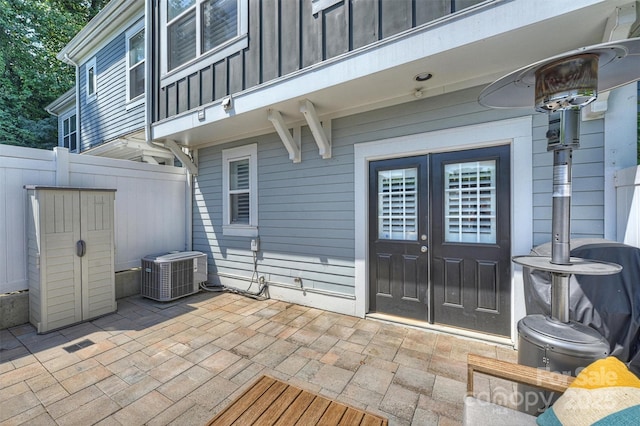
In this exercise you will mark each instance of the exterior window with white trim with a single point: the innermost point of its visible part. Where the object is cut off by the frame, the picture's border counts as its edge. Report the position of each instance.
(69, 133)
(135, 62)
(196, 33)
(195, 27)
(470, 202)
(91, 78)
(240, 189)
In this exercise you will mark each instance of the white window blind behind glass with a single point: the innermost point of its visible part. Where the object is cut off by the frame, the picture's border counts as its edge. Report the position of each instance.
(182, 40)
(239, 191)
(219, 22)
(398, 204)
(470, 202)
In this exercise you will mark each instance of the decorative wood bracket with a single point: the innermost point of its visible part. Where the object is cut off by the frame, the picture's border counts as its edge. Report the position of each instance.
(291, 143)
(321, 131)
(184, 158)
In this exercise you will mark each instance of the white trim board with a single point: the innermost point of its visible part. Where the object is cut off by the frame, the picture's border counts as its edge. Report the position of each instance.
(517, 132)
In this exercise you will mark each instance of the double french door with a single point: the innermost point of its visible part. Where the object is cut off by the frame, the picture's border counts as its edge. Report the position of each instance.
(439, 238)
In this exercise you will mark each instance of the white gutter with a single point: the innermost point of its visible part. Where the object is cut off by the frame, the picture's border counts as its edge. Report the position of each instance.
(147, 80)
(169, 145)
(114, 14)
(78, 130)
(61, 103)
(166, 145)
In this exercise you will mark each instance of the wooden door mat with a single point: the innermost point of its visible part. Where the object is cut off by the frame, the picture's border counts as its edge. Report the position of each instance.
(270, 401)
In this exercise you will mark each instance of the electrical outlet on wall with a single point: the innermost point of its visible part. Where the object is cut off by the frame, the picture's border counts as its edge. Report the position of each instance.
(255, 244)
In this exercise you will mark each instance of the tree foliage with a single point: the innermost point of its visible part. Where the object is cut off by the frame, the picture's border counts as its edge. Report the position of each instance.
(32, 32)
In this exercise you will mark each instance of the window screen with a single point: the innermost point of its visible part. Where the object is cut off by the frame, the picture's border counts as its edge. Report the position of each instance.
(398, 204)
(470, 202)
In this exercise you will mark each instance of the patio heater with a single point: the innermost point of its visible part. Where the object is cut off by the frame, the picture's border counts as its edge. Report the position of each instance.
(560, 86)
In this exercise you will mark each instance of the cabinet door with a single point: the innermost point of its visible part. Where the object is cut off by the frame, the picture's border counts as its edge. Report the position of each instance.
(59, 266)
(97, 231)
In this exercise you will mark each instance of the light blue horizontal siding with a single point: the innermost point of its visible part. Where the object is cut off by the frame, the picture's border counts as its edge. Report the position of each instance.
(306, 210)
(587, 197)
(108, 118)
(305, 216)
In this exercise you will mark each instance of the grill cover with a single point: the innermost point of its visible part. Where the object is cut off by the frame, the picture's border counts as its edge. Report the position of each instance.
(609, 304)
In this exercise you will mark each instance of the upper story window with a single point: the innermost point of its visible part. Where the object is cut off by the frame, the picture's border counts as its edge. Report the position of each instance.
(198, 28)
(195, 27)
(69, 133)
(91, 78)
(240, 187)
(135, 61)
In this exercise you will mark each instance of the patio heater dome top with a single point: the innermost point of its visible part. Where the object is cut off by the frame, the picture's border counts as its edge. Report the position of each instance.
(618, 63)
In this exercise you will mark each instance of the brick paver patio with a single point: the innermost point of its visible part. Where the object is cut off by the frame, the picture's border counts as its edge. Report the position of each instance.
(179, 363)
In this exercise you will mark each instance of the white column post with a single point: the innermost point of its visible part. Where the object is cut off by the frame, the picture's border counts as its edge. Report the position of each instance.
(62, 165)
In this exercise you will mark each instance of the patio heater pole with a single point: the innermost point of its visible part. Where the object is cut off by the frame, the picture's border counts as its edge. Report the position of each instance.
(561, 85)
(561, 208)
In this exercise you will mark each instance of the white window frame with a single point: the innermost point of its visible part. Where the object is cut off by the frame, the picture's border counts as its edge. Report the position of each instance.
(235, 154)
(91, 63)
(202, 59)
(67, 116)
(131, 102)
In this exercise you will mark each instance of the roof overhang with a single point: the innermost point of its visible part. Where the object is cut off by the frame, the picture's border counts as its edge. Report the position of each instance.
(131, 147)
(110, 19)
(465, 50)
(63, 103)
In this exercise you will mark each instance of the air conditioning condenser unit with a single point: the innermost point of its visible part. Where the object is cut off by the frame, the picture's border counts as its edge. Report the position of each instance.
(169, 276)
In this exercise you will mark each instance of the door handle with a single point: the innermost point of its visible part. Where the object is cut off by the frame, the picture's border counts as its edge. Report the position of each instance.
(424, 249)
(81, 248)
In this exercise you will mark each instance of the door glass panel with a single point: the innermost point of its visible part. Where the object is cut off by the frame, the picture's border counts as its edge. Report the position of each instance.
(470, 202)
(398, 204)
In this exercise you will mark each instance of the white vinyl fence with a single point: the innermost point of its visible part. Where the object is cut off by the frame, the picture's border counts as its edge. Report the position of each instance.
(628, 205)
(151, 204)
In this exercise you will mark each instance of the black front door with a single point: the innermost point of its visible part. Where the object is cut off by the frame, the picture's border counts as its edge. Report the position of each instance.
(439, 238)
(398, 242)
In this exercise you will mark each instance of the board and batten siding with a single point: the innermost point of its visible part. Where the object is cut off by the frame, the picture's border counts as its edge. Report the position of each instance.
(285, 37)
(107, 117)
